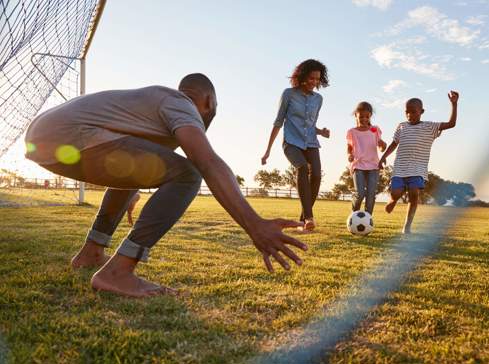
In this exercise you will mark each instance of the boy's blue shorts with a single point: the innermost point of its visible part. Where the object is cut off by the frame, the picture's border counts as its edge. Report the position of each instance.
(402, 183)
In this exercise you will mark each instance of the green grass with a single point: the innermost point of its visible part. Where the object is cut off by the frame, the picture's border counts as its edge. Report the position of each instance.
(235, 309)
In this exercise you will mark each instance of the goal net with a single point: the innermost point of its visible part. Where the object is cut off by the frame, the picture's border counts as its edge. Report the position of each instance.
(43, 44)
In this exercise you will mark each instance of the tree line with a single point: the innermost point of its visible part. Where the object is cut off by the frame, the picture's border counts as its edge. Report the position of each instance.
(437, 190)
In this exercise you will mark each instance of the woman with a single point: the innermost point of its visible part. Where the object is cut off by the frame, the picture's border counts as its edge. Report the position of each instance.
(298, 113)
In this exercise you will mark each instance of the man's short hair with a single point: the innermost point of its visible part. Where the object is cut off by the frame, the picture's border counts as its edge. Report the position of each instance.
(197, 82)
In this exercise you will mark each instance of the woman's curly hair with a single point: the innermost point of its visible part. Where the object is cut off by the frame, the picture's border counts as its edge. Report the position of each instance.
(303, 70)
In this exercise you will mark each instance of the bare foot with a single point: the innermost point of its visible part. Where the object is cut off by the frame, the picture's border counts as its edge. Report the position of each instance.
(117, 276)
(129, 285)
(390, 206)
(91, 255)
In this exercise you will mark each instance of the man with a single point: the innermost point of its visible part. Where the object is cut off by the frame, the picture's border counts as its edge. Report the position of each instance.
(124, 139)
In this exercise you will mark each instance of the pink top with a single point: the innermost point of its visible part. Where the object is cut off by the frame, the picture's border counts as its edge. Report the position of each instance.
(364, 145)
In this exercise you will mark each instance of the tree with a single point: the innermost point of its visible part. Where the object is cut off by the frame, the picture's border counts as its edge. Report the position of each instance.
(240, 180)
(269, 180)
(384, 179)
(340, 189)
(289, 177)
(442, 191)
(11, 178)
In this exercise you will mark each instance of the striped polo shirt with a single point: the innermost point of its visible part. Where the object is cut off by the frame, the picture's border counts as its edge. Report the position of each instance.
(414, 147)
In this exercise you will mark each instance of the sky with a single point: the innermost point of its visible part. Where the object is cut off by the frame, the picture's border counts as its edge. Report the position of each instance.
(381, 51)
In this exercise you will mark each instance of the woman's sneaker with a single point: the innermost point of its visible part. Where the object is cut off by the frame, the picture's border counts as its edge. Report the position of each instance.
(308, 227)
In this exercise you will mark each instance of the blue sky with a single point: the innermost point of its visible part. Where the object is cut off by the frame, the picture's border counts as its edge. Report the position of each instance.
(382, 51)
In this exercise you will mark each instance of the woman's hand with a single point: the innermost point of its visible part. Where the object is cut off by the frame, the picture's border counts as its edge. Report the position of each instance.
(265, 157)
(324, 132)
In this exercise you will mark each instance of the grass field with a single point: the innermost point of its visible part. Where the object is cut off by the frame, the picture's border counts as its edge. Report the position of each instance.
(235, 309)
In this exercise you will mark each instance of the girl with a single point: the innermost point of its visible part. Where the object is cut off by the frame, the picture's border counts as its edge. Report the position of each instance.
(362, 155)
(298, 113)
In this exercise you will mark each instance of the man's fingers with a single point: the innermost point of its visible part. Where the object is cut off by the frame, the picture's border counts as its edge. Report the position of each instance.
(291, 241)
(289, 253)
(268, 263)
(283, 223)
(280, 259)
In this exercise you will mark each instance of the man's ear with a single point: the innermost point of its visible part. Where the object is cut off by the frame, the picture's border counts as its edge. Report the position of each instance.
(209, 101)
(422, 111)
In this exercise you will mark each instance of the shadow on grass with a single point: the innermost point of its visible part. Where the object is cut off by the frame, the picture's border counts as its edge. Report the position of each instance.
(59, 319)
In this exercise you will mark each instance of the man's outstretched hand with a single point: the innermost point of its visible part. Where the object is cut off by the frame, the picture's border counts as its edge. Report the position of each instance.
(269, 239)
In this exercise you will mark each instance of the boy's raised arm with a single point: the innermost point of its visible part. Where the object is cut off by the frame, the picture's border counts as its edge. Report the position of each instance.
(453, 97)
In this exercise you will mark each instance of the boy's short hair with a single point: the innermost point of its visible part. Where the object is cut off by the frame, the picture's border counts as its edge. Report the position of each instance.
(415, 100)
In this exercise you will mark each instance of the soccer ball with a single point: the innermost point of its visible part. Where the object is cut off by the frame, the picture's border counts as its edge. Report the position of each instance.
(360, 223)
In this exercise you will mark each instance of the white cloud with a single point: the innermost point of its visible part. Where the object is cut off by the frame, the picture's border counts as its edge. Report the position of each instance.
(392, 85)
(485, 61)
(431, 90)
(379, 4)
(465, 59)
(393, 103)
(484, 44)
(395, 56)
(437, 25)
(476, 20)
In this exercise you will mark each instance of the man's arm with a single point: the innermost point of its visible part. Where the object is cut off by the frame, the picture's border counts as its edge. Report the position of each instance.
(267, 235)
(453, 97)
(392, 147)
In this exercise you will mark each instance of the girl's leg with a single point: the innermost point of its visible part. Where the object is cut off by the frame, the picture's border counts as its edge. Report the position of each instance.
(297, 158)
(372, 182)
(359, 181)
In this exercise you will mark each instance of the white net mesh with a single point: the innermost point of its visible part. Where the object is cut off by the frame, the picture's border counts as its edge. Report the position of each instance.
(40, 44)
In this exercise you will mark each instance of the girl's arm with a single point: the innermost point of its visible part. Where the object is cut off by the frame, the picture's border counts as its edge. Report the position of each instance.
(382, 145)
(349, 151)
(273, 135)
(387, 153)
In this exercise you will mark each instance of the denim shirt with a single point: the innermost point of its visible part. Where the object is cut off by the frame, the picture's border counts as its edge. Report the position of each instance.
(299, 112)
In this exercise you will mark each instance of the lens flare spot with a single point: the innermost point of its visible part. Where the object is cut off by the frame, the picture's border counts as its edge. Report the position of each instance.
(150, 170)
(67, 154)
(119, 164)
(30, 147)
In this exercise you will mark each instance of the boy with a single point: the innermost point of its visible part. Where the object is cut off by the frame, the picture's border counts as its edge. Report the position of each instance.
(414, 138)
